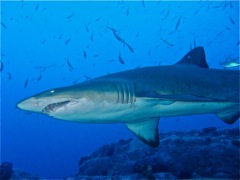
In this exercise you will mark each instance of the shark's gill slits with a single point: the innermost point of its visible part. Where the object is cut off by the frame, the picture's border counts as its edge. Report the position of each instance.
(52, 107)
(125, 93)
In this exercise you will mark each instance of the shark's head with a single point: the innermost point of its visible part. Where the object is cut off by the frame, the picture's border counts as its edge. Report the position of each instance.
(48, 102)
(69, 103)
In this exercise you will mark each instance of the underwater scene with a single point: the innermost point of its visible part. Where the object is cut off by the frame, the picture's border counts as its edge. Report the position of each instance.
(119, 90)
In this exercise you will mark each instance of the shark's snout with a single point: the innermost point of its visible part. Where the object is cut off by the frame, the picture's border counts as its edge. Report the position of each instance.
(30, 104)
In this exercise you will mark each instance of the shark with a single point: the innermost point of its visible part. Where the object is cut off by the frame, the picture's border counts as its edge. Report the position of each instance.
(138, 98)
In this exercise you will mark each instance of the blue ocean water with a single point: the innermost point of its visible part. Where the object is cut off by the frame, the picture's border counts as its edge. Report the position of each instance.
(41, 40)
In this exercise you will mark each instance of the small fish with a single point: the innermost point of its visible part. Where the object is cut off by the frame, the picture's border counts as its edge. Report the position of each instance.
(166, 42)
(232, 21)
(92, 37)
(230, 64)
(194, 43)
(228, 28)
(70, 16)
(97, 19)
(120, 59)
(43, 42)
(9, 76)
(127, 13)
(130, 48)
(74, 82)
(111, 60)
(237, 44)
(69, 65)
(1, 66)
(3, 25)
(87, 77)
(96, 55)
(143, 4)
(178, 23)
(67, 41)
(137, 35)
(60, 36)
(86, 27)
(220, 33)
(39, 77)
(121, 39)
(26, 83)
(166, 15)
(84, 54)
(230, 2)
(44, 67)
(195, 12)
(149, 52)
(139, 66)
(36, 7)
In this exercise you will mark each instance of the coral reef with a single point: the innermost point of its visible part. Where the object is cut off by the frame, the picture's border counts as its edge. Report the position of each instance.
(207, 153)
(8, 173)
(194, 154)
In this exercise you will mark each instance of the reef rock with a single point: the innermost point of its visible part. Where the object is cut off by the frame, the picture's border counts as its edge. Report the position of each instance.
(207, 153)
(8, 173)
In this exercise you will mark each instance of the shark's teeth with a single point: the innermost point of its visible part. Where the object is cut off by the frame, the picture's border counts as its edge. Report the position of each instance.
(52, 107)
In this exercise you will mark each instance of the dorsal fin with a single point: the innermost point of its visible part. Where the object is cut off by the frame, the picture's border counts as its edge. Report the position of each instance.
(195, 57)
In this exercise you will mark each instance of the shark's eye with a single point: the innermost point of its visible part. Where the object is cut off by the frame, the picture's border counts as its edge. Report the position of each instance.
(52, 91)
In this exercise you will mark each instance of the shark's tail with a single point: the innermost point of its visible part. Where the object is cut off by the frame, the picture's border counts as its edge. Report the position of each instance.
(230, 115)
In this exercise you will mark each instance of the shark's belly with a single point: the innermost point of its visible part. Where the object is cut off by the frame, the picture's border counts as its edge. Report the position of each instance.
(143, 109)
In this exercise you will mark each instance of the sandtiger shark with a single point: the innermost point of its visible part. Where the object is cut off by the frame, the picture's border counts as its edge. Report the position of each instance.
(139, 97)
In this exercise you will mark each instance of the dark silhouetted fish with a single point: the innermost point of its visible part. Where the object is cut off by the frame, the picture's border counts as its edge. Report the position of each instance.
(26, 83)
(67, 41)
(127, 13)
(166, 15)
(74, 82)
(1, 66)
(97, 19)
(166, 42)
(39, 77)
(3, 25)
(44, 41)
(60, 36)
(84, 54)
(120, 39)
(44, 67)
(70, 16)
(92, 37)
(143, 4)
(36, 7)
(87, 77)
(120, 59)
(194, 43)
(232, 21)
(86, 27)
(69, 65)
(9, 76)
(227, 28)
(178, 23)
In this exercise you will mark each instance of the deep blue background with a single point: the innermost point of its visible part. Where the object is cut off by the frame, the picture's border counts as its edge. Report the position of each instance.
(34, 34)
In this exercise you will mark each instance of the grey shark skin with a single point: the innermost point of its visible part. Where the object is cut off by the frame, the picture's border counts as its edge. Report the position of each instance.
(139, 97)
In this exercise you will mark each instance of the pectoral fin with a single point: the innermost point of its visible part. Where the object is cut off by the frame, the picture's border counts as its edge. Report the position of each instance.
(146, 131)
(230, 115)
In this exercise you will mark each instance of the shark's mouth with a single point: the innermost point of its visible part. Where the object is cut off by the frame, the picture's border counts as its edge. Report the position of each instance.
(54, 106)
